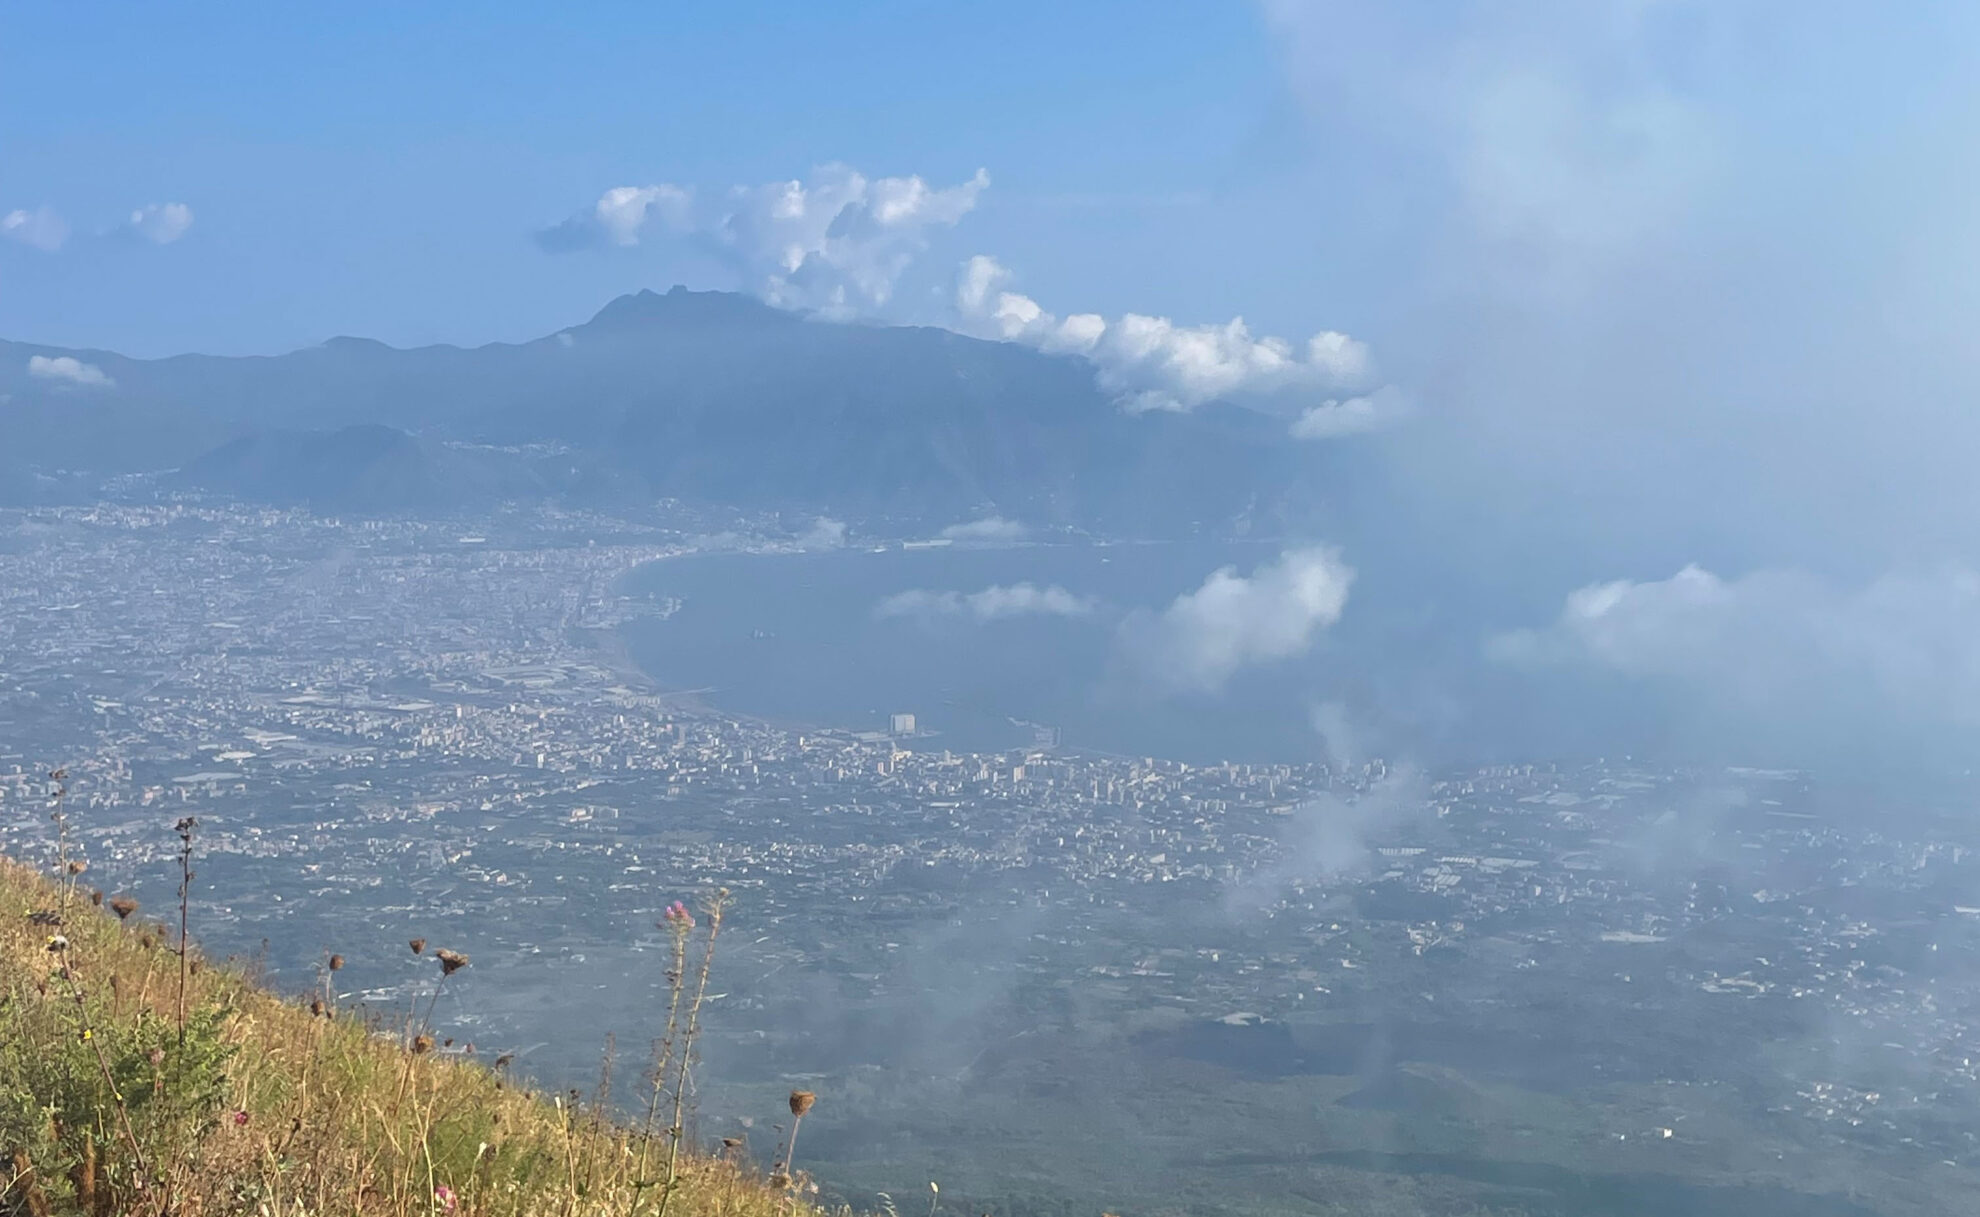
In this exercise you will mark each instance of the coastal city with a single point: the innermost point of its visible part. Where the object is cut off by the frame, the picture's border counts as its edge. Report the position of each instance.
(389, 730)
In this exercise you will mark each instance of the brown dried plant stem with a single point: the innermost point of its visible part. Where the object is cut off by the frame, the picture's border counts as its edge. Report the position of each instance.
(676, 1132)
(185, 830)
(425, 1024)
(60, 815)
(801, 1101)
(418, 1038)
(676, 984)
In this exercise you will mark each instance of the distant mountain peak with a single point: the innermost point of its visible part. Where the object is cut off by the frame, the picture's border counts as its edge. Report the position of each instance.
(348, 342)
(681, 307)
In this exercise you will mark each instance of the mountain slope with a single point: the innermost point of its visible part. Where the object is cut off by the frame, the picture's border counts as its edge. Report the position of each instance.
(362, 467)
(119, 1095)
(700, 395)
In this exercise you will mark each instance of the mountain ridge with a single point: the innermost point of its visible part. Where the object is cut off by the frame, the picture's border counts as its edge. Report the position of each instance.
(705, 396)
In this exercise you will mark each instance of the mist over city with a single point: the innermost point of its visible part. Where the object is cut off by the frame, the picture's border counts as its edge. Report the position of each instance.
(1288, 607)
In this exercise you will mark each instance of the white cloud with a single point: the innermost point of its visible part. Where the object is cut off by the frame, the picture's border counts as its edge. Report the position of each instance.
(1572, 124)
(991, 604)
(1335, 418)
(989, 529)
(1236, 621)
(1641, 628)
(824, 533)
(68, 370)
(1327, 837)
(41, 228)
(621, 216)
(624, 210)
(161, 223)
(1151, 363)
(1780, 644)
(837, 242)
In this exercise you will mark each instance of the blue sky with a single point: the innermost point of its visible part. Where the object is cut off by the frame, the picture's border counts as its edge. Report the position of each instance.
(1620, 250)
(378, 169)
(1307, 164)
(1669, 300)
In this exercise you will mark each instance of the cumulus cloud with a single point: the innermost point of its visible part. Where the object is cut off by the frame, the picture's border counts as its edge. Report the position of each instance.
(988, 529)
(836, 242)
(68, 370)
(1335, 417)
(824, 533)
(991, 604)
(1237, 621)
(1151, 363)
(620, 216)
(40, 229)
(1780, 645)
(161, 223)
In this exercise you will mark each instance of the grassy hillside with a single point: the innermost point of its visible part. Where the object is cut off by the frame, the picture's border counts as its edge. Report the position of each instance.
(133, 1081)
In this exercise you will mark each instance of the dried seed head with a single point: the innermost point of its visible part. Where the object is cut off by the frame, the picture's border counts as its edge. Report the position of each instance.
(450, 961)
(422, 1044)
(123, 906)
(77, 866)
(96, 897)
(418, 945)
(336, 963)
(801, 1101)
(316, 1006)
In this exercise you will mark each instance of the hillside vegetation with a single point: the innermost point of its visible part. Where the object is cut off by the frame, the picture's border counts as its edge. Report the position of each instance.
(137, 1080)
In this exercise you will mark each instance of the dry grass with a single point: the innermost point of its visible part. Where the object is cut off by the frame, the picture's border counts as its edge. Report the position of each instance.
(112, 1101)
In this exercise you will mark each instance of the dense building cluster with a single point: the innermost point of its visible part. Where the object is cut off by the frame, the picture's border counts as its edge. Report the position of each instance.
(429, 725)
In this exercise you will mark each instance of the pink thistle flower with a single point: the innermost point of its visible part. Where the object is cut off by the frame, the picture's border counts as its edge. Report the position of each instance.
(444, 1197)
(240, 1119)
